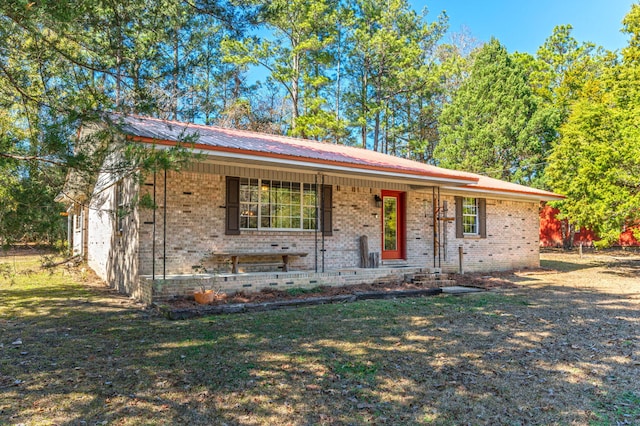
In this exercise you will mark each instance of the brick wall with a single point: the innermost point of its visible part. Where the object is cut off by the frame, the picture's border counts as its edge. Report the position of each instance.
(512, 238)
(195, 221)
(195, 218)
(112, 254)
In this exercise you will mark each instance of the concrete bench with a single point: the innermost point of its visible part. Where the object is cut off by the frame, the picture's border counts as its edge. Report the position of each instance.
(236, 255)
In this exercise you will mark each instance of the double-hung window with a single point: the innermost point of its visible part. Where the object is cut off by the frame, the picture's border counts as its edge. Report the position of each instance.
(274, 204)
(470, 222)
(471, 217)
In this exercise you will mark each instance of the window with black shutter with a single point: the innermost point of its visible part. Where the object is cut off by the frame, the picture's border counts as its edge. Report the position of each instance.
(327, 210)
(265, 204)
(232, 226)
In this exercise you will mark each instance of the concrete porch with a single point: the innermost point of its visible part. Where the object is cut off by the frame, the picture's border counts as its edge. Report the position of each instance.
(177, 286)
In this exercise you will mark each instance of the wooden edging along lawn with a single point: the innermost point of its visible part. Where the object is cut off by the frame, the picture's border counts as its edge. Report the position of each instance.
(236, 308)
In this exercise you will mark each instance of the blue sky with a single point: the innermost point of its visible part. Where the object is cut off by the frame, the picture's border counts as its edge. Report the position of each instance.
(524, 25)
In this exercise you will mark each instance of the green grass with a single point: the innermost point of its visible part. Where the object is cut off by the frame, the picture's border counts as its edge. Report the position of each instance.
(91, 356)
(299, 291)
(623, 409)
(357, 370)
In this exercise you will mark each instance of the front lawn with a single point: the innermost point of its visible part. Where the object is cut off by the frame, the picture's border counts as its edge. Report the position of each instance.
(561, 348)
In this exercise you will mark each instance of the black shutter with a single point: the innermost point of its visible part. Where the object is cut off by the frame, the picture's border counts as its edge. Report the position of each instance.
(482, 217)
(326, 210)
(459, 227)
(232, 226)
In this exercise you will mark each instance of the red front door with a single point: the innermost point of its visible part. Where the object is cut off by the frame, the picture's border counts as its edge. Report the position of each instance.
(393, 239)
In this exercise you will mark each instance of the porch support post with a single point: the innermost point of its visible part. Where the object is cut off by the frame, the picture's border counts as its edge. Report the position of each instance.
(317, 224)
(70, 219)
(323, 226)
(234, 264)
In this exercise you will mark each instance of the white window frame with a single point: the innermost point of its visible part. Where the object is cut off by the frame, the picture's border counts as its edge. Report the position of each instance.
(77, 219)
(252, 205)
(470, 209)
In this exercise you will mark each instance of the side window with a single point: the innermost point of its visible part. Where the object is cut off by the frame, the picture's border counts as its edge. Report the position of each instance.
(471, 217)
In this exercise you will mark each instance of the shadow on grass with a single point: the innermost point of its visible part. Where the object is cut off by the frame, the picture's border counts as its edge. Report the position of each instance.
(565, 266)
(625, 269)
(557, 355)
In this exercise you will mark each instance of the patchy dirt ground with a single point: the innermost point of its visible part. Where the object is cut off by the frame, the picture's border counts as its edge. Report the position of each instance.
(558, 346)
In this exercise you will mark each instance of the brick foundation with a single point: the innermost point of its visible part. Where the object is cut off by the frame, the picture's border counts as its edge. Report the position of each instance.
(185, 285)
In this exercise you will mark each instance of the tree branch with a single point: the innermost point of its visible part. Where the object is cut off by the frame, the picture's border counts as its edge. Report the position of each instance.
(32, 158)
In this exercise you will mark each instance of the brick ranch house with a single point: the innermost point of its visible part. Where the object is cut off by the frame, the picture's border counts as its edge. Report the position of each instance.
(262, 211)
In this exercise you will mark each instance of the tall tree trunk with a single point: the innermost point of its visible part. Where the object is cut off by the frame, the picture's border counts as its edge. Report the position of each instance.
(176, 75)
(376, 126)
(295, 87)
(207, 91)
(119, 66)
(363, 103)
(338, 64)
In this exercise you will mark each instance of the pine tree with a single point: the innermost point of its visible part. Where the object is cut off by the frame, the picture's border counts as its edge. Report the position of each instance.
(596, 162)
(493, 124)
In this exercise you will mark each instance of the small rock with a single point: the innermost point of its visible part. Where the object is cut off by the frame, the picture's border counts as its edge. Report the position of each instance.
(17, 342)
(364, 405)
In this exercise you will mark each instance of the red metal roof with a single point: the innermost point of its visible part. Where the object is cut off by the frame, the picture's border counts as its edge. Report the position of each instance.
(273, 146)
(497, 185)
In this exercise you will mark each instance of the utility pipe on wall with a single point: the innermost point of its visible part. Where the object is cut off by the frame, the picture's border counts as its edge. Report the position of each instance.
(323, 225)
(164, 230)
